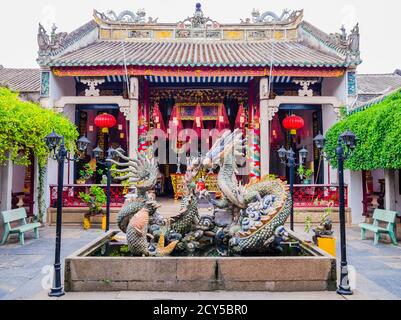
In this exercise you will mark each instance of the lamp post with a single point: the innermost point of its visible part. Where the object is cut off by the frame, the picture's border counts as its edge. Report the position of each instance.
(345, 146)
(287, 158)
(55, 144)
(111, 153)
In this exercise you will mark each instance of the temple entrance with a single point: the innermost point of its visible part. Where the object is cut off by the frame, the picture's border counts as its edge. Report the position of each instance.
(86, 170)
(279, 136)
(194, 109)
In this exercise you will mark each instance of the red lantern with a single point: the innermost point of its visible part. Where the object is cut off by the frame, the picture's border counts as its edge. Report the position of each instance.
(293, 123)
(241, 118)
(175, 121)
(222, 121)
(105, 121)
(198, 118)
(158, 118)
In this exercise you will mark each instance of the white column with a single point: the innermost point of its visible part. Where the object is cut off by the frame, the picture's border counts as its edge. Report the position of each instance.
(6, 184)
(132, 116)
(264, 127)
(389, 198)
(355, 195)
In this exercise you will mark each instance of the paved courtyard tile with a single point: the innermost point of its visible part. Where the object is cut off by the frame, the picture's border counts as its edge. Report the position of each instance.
(378, 270)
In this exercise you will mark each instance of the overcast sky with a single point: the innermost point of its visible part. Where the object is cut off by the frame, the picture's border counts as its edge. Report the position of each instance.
(379, 21)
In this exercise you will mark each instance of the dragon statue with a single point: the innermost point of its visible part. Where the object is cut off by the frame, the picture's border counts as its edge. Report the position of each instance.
(257, 211)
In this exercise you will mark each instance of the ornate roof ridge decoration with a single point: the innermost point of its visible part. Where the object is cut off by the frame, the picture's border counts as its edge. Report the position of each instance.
(270, 18)
(345, 44)
(198, 20)
(53, 44)
(125, 16)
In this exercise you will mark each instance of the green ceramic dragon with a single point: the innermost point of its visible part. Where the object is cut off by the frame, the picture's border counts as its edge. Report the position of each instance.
(257, 209)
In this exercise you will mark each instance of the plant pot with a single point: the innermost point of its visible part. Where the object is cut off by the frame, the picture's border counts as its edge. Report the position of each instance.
(87, 222)
(306, 181)
(81, 181)
(327, 244)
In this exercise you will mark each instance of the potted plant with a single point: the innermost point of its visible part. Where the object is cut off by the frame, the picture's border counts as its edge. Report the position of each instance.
(95, 199)
(85, 173)
(305, 174)
(323, 233)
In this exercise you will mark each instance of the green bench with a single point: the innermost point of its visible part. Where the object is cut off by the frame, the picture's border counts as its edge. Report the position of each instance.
(384, 216)
(18, 215)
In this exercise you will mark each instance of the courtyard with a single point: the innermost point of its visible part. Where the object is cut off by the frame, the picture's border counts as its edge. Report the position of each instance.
(21, 277)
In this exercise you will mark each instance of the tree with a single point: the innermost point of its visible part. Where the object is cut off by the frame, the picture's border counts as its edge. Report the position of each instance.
(23, 128)
(378, 129)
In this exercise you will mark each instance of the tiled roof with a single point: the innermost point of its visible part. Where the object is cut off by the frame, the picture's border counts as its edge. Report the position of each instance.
(21, 80)
(77, 34)
(378, 84)
(322, 37)
(199, 53)
(373, 88)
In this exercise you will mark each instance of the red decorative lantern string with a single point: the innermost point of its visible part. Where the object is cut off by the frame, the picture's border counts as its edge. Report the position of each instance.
(175, 123)
(241, 118)
(105, 121)
(198, 118)
(293, 123)
(222, 121)
(158, 118)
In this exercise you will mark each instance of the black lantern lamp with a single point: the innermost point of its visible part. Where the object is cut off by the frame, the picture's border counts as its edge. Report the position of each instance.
(55, 143)
(303, 153)
(282, 153)
(287, 157)
(83, 143)
(97, 152)
(111, 153)
(319, 141)
(53, 140)
(349, 139)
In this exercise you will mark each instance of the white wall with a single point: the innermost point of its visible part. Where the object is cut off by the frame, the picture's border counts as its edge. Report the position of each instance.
(397, 192)
(354, 181)
(58, 87)
(336, 87)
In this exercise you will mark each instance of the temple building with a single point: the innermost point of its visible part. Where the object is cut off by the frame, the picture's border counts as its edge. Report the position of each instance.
(197, 74)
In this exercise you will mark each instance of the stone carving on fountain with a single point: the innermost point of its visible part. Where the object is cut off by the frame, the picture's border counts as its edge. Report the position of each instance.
(248, 219)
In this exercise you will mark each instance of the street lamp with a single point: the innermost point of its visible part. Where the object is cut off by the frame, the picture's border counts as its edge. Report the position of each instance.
(287, 157)
(111, 153)
(58, 151)
(345, 140)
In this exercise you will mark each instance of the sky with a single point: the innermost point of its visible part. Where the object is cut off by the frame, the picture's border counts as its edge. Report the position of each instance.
(379, 22)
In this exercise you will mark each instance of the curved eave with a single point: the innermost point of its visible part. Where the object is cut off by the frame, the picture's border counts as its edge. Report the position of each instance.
(193, 65)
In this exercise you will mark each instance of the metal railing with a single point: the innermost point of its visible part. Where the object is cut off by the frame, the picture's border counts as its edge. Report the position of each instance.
(305, 195)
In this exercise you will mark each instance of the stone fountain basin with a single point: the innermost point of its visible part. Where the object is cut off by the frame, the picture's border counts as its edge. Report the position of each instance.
(84, 272)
